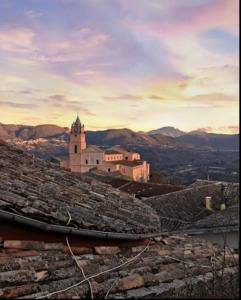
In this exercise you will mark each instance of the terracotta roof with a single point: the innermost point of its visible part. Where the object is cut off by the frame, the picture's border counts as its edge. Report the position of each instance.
(42, 191)
(164, 269)
(129, 163)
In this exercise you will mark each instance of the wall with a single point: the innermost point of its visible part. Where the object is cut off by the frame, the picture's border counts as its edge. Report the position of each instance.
(105, 166)
(113, 157)
(92, 157)
(141, 173)
(232, 238)
(129, 155)
(127, 171)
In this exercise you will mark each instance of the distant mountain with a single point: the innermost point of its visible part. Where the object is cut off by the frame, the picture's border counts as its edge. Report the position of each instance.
(211, 140)
(126, 136)
(183, 159)
(168, 131)
(25, 132)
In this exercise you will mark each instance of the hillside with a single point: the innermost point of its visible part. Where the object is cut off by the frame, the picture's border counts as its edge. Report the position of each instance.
(159, 138)
(25, 132)
(182, 159)
(211, 140)
(168, 131)
(126, 136)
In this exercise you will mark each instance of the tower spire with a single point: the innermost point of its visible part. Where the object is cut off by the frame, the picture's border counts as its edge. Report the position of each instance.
(77, 119)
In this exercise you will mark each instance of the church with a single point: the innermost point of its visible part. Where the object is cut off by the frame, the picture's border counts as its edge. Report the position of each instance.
(83, 158)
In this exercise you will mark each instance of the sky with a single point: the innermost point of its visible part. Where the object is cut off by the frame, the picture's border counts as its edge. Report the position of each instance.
(120, 64)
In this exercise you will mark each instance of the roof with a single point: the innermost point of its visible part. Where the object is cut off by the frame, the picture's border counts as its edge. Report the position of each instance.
(41, 191)
(188, 205)
(111, 151)
(92, 148)
(141, 189)
(128, 163)
(160, 269)
(224, 219)
(122, 150)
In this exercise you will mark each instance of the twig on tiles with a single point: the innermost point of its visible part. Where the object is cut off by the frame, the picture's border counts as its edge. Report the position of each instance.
(96, 275)
(107, 294)
(69, 220)
(186, 263)
(82, 270)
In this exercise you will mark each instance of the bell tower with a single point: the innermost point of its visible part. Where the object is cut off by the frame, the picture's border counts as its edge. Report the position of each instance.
(76, 145)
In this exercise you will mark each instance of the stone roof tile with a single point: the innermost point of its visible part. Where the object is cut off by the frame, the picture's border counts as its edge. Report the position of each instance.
(42, 191)
(152, 270)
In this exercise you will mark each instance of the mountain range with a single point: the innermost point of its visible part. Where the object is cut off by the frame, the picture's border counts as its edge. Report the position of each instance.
(162, 137)
(169, 131)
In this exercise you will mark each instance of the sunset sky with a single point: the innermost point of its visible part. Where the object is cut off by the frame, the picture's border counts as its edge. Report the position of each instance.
(138, 64)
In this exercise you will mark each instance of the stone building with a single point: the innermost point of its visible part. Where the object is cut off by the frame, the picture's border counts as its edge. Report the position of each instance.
(82, 157)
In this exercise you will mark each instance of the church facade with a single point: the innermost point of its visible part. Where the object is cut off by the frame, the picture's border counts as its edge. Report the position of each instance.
(83, 158)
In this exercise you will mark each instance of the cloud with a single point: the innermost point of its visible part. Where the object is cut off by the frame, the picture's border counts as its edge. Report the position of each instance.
(29, 91)
(57, 98)
(16, 39)
(78, 45)
(214, 97)
(61, 101)
(123, 97)
(232, 129)
(17, 105)
(33, 14)
(183, 17)
(155, 97)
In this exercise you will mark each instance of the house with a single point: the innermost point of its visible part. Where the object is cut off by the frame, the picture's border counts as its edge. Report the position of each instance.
(221, 227)
(83, 158)
(62, 237)
(186, 211)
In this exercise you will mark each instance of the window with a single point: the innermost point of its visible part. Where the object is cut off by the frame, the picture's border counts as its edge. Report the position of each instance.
(97, 161)
(126, 157)
(86, 161)
(75, 148)
(108, 169)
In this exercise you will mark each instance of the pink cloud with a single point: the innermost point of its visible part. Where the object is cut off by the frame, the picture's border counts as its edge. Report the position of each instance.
(49, 47)
(216, 97)
(221, 129)
(222, 13)
(78, 45)
(16, 39)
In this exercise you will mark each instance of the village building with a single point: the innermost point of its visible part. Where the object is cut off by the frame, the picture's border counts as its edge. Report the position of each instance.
(83, 158)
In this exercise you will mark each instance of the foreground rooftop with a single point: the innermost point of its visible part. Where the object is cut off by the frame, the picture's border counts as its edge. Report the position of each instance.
(170, 267)
(33, 189)
(72, 258)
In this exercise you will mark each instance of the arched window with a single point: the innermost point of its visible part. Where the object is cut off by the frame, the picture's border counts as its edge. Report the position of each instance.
(75, 148)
